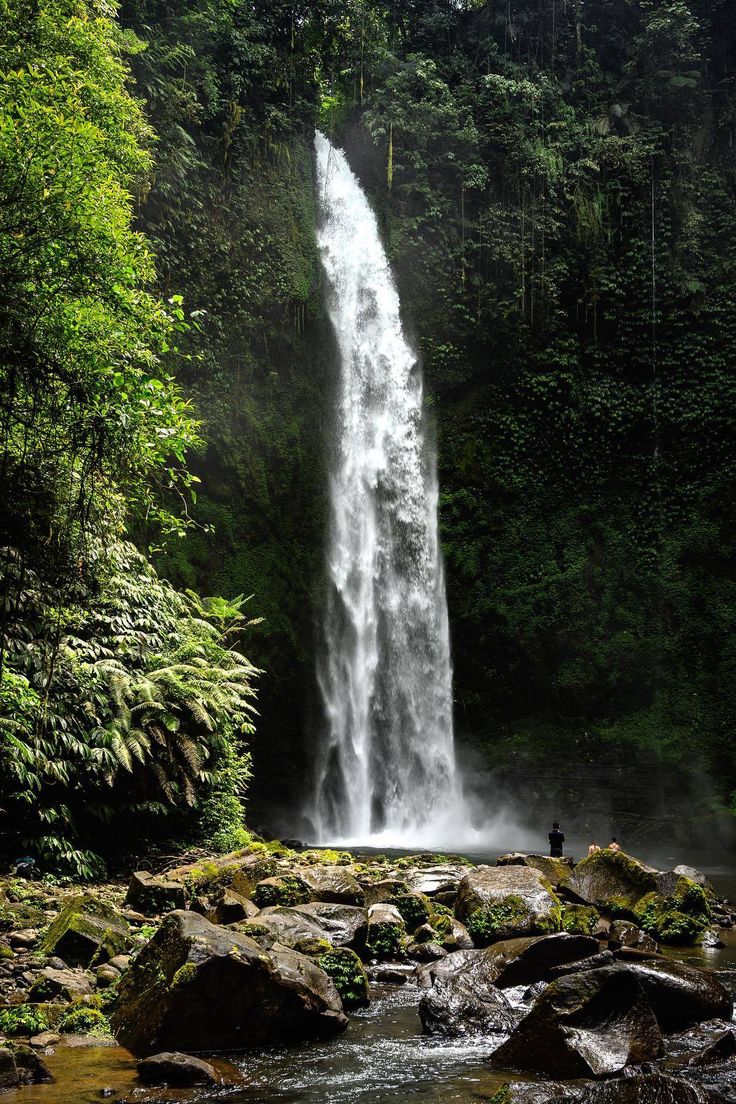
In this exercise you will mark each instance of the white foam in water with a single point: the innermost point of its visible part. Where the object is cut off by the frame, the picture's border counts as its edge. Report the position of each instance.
(386, 772)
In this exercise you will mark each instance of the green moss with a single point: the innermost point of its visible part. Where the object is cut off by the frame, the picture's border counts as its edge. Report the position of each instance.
(678, 919)
(184, 976)
(6, 952)
(83, 1020)
(511, 916)
(348, 976)
(580, 919)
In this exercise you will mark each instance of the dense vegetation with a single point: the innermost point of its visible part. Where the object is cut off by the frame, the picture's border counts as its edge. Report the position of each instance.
(555, 179)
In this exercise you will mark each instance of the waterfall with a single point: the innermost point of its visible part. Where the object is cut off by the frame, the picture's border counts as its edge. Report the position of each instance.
(386, 765)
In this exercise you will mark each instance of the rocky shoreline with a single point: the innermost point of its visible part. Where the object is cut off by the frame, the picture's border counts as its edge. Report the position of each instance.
(558, 966)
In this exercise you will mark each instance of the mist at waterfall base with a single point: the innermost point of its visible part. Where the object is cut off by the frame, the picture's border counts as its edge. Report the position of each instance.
(386, 771)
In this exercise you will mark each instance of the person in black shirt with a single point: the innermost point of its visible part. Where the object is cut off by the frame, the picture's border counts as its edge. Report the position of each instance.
(556, 840)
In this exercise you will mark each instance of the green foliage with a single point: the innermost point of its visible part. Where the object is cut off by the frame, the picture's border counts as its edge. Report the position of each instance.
(23, 1020)
(415, 909)
(288, 890)
(386, 941)
(348, 975)
(579, 919)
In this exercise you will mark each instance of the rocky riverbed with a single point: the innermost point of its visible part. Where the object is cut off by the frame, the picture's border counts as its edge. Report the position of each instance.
(248, 975)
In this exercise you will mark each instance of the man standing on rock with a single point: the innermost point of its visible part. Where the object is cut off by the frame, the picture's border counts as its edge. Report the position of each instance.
(556, 840)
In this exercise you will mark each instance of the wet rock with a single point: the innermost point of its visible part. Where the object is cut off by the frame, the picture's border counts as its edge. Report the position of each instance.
(682, 995)
(415, 908)
(524, 961)
(611, 881)
(581, 920)
(465, 1002)
(174, 1068)
(199, 987)
(623, 933)
(67, 984)
(502, 902)
(712, 938)
(23, 940)
(590, 1024)
(120, 962)
(386, 932)
(390, 973)
(87, 930)
(8, 1070)
(333, 884)
(720, 1050)
(595, 962)
(153, 895)
(428, 951)
(343, 925)
(286, 926)
(654, 1088)
(694, 875)
(32, 1070)
(453, 935)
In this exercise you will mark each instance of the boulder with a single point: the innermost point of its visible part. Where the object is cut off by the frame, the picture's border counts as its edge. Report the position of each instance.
(379, 892)
(286, 926)
(174, 1068)
(651, 1088)
(229, 907)
(623, 933)
(386, 932)
(334, 884)
(415, 908)
(588, 1024)
(284, 889)
(87, 931)
(105, 976)
(501, 902)
(453, 935)
(682, 995)
(32, 1070)
(348, 975)
(525, 961)
(581, 920)
(45, 1039)
(603, 958)
(198, 987)
(611, 881)
(462, 1002)
(554, 870)
(694, 875)
(431, 880)
(8, 1070)
(51, 984)
(343, 925)
(153, 895)
(720, 1050)
(680, 916)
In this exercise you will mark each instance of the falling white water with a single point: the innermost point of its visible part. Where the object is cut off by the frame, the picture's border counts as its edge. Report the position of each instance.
(386, 771)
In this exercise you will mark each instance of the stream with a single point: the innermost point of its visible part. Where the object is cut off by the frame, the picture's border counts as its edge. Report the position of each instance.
(382, 1057)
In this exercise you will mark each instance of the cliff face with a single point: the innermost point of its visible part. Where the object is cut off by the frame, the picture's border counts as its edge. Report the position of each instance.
(556, 190)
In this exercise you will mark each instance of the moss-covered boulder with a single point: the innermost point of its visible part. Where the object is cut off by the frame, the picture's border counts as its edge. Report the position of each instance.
(386, 933)
(415, 908)
(286, 926)
(87, 931)
(52, 984)
(348, 975)
(20, 916)
(283, 889)
(198, 987)
(611, 881)
(333, 884)
(154, 895)
(580, 919)
(503, 902)
(554, 870)
(342, 925)
(678, 918)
